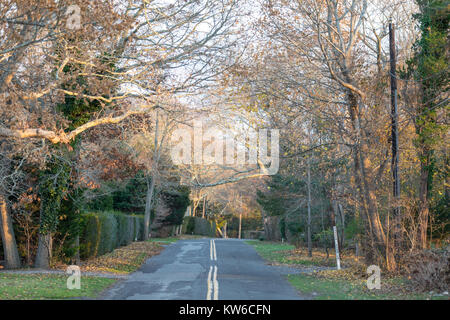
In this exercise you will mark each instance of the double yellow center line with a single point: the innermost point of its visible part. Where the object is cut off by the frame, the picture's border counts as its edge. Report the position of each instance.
(212, 250)
(212, 283)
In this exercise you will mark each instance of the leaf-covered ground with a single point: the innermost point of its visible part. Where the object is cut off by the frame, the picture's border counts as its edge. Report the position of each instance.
(320, 280)
(123, 260)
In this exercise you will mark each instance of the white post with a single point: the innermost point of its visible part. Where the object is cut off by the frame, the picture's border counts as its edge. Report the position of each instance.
(240, 224)
(336, 245)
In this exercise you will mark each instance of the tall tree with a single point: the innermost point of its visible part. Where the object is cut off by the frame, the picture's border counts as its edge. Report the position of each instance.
(430, 67)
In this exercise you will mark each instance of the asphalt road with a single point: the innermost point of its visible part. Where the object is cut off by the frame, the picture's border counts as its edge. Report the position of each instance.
(206, 269)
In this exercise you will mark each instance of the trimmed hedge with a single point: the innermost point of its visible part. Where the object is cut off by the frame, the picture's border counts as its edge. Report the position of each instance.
(102, 232)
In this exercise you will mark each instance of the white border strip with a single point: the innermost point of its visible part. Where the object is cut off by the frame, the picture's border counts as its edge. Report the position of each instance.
(214, 250)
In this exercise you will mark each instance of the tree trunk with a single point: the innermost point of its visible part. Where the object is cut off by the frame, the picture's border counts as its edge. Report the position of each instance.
(356, 248)
(424, 210)
(366, 187)
(148, 206)
(194, 208)
(8, 238)
(309, 210)
(204, 208)
(397, 243)
(77, 253)
(371, 199)
(44, 251)
(151, 186)
(342, 215)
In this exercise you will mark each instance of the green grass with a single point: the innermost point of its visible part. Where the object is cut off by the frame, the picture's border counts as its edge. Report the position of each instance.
(48, 286)
(336, 289)
(271, 251)
(280, 253)
(333, 284)
(168, 240)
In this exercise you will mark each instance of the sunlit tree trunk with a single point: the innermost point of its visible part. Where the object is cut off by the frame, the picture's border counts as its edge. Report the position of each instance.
(8, 239)
(204, 208)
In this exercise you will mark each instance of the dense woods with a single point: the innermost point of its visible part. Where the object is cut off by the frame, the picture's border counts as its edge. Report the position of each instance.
(92, 94)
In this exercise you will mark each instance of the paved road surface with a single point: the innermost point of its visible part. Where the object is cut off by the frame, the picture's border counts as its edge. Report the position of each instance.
(206, 269)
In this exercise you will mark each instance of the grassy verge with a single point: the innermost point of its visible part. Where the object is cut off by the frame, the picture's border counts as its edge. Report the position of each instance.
(322, 287)
(284, 253)
(346, 284)
(123, 260)
(48, 286)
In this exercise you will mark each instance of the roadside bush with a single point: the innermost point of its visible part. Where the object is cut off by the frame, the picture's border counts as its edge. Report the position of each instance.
(90, 229)
(126, 226)
(108, 233)
(203, 227)
(429, 269)
(325, 238)
(177, 200)
(212, 230)
(199, 226)
(188, 225)
(138, 228)
(272, 229)
(102, 232)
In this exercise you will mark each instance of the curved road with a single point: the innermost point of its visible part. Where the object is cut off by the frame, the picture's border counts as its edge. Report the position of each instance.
(206, 269)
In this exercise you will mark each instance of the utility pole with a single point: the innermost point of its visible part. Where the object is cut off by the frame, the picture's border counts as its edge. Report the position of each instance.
(395, 153)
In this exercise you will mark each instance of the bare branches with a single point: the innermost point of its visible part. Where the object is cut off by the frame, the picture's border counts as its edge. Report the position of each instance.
(31, 133)
(62, 137)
